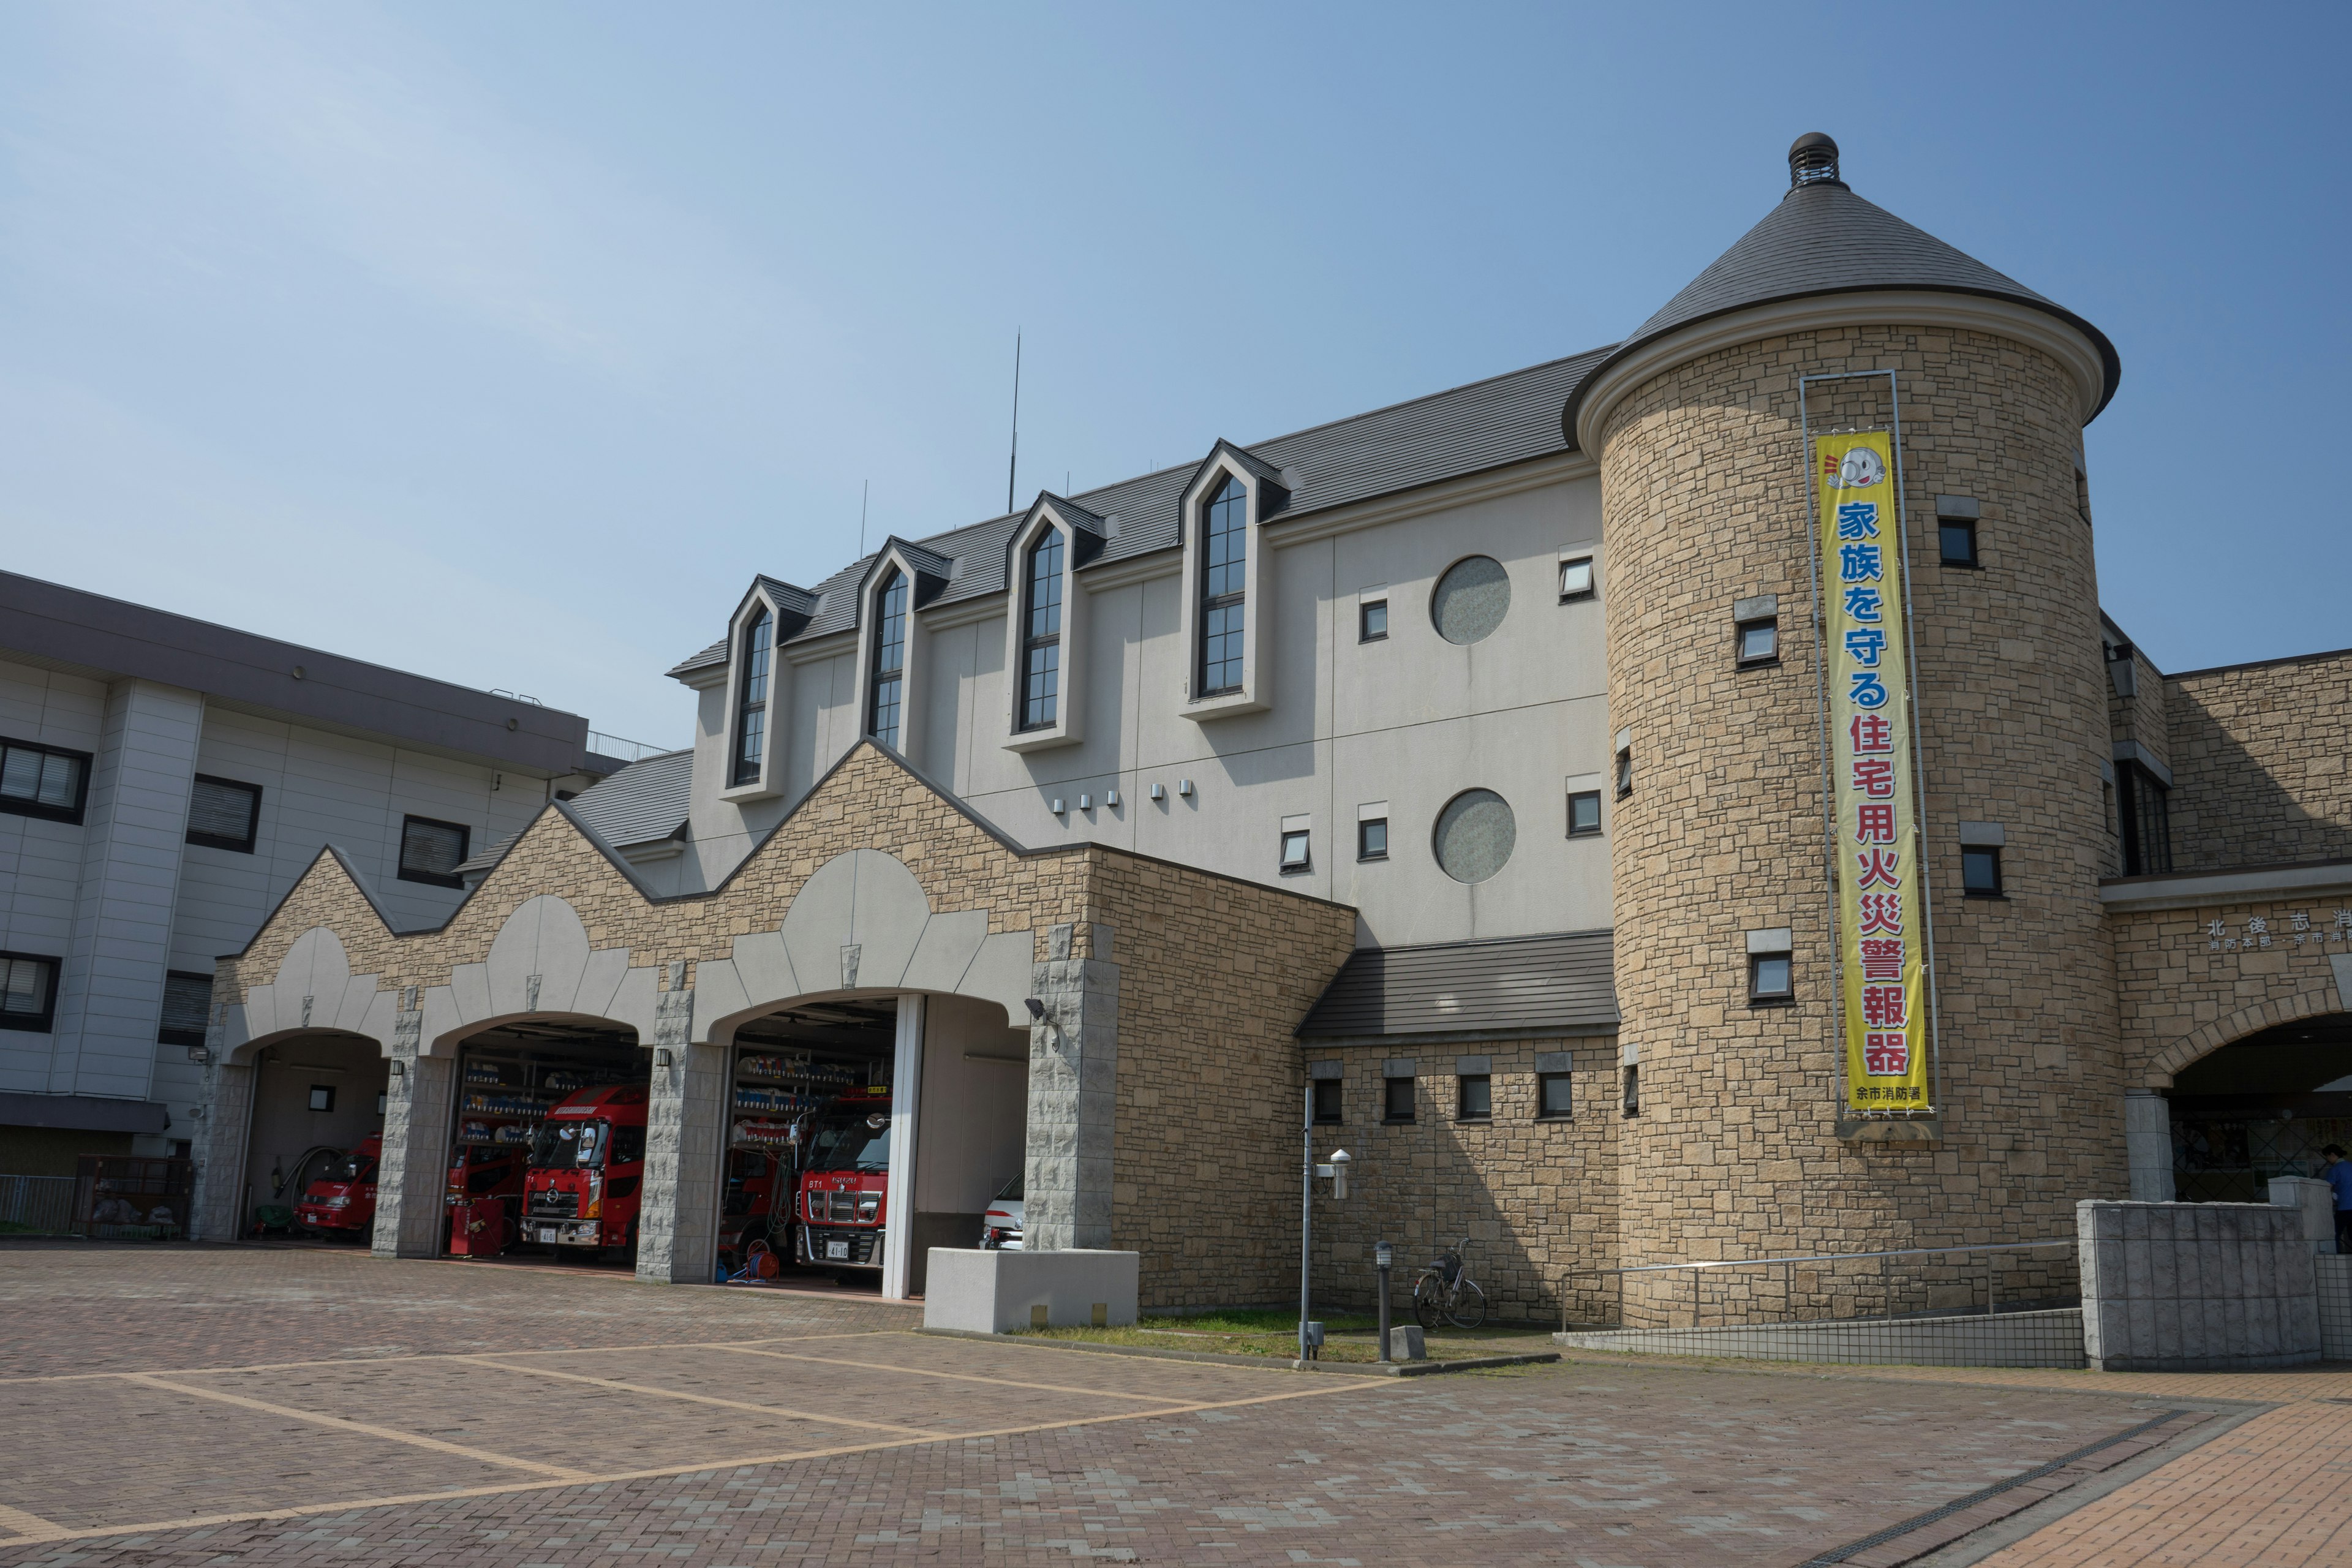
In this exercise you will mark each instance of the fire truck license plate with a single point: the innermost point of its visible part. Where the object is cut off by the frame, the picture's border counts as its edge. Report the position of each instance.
(836, 1249)
(550, 1235)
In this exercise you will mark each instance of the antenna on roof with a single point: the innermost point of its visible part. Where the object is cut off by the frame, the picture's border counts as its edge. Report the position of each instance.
(864, 492)
(1014, 469)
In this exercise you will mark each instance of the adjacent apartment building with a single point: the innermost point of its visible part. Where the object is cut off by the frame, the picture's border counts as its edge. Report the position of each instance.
(162, 783)
(1680, 800)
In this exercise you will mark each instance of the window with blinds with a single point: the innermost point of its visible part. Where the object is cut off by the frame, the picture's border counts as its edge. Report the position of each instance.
(28, 991)
(432, 851)
(187, 1006)
(222, 814)
(43, 781)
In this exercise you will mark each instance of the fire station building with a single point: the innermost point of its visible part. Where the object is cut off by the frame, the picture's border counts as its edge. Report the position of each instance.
(1454, 774)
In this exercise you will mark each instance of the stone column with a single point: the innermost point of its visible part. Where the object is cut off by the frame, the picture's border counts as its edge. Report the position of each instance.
(678, 1222)
(1073, 1076)
(2148, 1145)
(217, 1204)
(413, 1174)
(906, 1118)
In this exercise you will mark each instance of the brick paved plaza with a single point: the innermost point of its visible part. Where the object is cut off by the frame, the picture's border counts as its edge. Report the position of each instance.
(284, 1406)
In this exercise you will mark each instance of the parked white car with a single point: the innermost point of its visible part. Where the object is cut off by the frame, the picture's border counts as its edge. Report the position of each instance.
(999, 1228)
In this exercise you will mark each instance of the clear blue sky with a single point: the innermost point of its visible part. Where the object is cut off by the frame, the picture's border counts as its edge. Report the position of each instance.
(505, 343)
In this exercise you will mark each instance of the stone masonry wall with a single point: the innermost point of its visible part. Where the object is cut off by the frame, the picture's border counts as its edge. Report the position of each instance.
(1214, 976)
(2261, 763)
(1705, 502)
(1537, 1198)
(2191, 981)
(869, 803)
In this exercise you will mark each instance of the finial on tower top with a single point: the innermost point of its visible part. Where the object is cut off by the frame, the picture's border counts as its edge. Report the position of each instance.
(1812, 161)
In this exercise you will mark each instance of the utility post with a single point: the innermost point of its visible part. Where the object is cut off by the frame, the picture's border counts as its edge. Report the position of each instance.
(1310, 1334)
(1383, 1254)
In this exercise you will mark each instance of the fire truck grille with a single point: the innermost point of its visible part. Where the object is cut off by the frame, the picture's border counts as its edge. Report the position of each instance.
(554, 1205)
(844, 1207)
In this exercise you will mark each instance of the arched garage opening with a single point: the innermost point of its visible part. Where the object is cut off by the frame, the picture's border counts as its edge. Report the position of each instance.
(862, 1129)
(2260, 1106)
(313, 1136)
(546, 1142)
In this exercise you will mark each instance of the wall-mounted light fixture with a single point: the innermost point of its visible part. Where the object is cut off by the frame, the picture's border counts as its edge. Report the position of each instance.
(1183, 786)
(1160, 792)
(399, 1068)
(200, 1055)
(662, 1056)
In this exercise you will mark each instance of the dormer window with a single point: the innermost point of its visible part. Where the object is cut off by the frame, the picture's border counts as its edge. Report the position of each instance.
(889, 681)
(1041, 634)
(1224, 563)
(751, 706)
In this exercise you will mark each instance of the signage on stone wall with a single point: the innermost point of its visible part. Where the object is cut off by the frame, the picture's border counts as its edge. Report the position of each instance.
(1882, 917)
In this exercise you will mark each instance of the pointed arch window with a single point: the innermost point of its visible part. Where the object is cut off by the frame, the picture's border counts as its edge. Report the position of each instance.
(1041, 634)
(1224, 565)
(751, 705)
(888, 682)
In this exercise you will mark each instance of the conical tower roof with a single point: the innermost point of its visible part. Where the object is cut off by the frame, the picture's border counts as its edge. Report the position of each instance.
(1824, 239)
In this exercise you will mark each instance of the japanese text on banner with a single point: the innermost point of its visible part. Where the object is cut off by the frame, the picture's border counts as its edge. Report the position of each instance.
(1882, 922)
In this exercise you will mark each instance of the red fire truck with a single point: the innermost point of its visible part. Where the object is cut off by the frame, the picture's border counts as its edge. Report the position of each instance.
(587, 1172)
(485, 1199)
(844, 1183)
(341, 1201)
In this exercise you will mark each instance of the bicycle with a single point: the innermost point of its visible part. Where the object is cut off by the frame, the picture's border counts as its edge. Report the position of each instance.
(1444, 1292)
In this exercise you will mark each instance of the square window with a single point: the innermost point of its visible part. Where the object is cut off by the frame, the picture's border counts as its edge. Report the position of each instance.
(1476, 1101)
(1981, 871)
(222, 814)
(1630, 1103)
(187, 1004)
(1624, 773)
(1583, 813)
(28, 992)
(1328, 1098)
(323, 1096)
(1769, 978)
(1553, 1099)
(43, 781)
(1958, 541)
(1396, 1100)
(1294, 849)
(1372, 838)
(1576, 579)
(1759, 641)
(432, 851)
(1372, 621)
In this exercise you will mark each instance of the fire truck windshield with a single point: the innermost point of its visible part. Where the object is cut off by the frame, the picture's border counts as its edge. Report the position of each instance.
(349, 1168)
(854, 1143)
(562, 1145)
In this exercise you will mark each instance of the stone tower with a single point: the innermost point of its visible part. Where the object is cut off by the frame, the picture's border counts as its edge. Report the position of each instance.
(1740, 1148)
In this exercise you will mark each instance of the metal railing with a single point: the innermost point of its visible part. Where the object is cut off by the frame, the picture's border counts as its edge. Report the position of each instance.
(1821, 1290)
(36, 1205)
(627, 751)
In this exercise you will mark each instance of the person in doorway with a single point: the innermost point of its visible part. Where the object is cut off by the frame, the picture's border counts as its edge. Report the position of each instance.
(2337, 1173)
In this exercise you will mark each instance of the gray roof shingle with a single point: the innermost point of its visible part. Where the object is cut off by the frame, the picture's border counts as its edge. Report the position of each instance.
(643, 801)
(1821, 238)
(1488, 424)
(1561, 982)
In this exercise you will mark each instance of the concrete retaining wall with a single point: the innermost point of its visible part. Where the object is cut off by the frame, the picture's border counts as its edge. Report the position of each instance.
(2196, 1287)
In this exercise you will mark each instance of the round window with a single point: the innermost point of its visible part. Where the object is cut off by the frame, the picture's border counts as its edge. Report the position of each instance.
(1476, 834)
(1471, 599)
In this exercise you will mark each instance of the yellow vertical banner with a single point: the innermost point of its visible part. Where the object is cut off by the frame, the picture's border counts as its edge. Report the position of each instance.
(1882, 918)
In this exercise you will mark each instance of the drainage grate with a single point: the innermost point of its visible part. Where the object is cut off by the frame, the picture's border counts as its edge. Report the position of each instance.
(1854, 1548)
